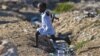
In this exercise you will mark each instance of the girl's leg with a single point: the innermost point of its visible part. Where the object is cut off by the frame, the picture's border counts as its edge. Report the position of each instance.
(53, 38)
(37, 36)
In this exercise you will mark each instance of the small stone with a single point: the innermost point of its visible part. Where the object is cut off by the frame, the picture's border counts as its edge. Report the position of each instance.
(72, 47)
(25, 30)
(4, 7)
(1, 49)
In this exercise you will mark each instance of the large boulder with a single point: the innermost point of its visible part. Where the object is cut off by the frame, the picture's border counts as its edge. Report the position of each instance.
(7, 48)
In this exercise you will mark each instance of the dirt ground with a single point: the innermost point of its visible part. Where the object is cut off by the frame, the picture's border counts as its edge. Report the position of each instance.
(21, 33)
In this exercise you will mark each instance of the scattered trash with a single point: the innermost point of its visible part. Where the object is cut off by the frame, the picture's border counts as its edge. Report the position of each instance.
(62, 49)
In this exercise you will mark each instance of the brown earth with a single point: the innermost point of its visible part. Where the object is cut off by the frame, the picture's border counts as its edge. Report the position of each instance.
(21, 34)
(84, 30)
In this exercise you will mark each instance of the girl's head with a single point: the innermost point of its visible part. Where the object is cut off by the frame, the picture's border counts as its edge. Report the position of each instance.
(41, 7)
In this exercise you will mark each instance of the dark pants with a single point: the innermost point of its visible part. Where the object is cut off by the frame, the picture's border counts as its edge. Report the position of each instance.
(37, 36)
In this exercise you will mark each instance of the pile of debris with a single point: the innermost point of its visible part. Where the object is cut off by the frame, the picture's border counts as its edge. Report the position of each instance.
(87, 10)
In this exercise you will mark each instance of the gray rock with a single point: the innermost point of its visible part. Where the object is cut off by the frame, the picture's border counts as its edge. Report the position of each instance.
(7, 49)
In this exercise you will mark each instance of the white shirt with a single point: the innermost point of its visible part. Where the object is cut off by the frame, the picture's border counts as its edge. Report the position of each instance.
(46, 25)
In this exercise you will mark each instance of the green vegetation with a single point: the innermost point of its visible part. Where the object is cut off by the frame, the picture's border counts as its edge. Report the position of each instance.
(98, 11)
(81, 44)
(63, 7)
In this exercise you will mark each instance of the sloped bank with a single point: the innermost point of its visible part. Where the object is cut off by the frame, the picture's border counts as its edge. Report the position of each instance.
(20, 32)
(84, 31)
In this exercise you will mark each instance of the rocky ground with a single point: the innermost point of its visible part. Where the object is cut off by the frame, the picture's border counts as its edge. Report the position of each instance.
(85, 33)
(21, 34)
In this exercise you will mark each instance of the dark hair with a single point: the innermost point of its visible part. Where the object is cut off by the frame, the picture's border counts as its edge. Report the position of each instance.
(42, 4)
